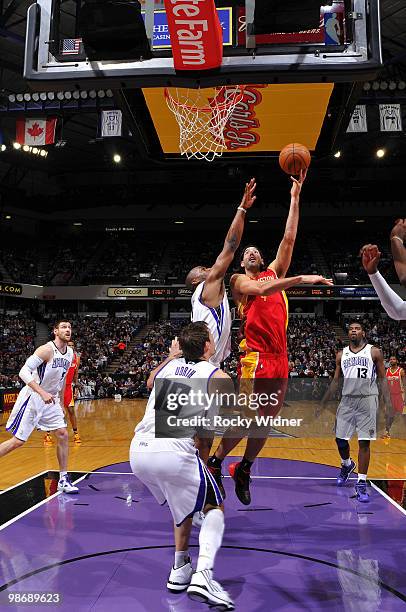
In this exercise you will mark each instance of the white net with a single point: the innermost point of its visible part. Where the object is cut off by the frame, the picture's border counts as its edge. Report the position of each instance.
(202, 120)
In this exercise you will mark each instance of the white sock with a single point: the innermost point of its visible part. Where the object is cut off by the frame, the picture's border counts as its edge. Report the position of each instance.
(362, 477)
(210, 538)
(181, 557)
(346, 462)
(62, 474)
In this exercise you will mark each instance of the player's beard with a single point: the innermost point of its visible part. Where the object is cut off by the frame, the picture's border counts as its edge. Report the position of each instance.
(357, 342)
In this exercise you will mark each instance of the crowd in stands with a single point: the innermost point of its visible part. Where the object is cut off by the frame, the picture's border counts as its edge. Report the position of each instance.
(17, 335)
(153, 258)
(127, 260)
(116, 359)
(342, 256)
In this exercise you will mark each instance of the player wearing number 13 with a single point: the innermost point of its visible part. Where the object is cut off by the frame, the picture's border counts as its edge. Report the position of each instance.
(362, 368)
(39, 403)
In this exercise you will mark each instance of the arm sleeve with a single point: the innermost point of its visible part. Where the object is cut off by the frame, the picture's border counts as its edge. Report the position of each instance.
(26, 372)
(391, 301)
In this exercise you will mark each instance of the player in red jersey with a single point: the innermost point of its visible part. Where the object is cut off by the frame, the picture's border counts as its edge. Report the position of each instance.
(396, 380)
(69, 397)
(262, 303)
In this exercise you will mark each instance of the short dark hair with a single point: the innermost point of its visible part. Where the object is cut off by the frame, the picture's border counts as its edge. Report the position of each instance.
(253, 246)
(58, 322)
(192, 340)
(356, 322)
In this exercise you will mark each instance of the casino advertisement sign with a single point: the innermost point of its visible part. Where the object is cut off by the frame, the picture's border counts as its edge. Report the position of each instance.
(10, 289)
(8, 398)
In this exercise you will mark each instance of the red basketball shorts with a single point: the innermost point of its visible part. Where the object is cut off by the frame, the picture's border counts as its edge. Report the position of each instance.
(68, 400)
(265, 375)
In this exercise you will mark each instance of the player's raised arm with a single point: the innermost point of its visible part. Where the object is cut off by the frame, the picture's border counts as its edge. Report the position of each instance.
(243, 285)
(391, 301)
(217, 272)
(283, 257)
(397, 237)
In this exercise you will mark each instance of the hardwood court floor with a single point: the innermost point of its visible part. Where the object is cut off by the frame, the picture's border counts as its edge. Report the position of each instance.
(106, 428)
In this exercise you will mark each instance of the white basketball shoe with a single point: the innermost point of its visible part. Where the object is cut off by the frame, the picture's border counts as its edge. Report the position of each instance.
(204, 589)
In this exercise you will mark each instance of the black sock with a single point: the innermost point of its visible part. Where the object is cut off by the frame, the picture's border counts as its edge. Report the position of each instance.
(246, 465)
(214, 462)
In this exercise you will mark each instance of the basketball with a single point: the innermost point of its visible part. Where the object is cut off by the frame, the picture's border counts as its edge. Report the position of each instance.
(294, 157)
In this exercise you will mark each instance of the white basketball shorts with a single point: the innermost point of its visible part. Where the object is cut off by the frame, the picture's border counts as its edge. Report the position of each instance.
(30, 412)
(174, 473)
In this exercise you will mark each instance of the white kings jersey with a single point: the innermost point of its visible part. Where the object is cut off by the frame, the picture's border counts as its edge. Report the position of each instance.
(218, 321)
(50, 375)
(359, 372)
(180, 371)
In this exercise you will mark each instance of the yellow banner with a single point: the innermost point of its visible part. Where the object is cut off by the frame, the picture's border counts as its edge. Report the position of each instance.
(267, 118)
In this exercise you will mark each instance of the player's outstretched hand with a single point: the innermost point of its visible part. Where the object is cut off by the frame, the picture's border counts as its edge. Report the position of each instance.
(297, 183)
(175, 351)
(370, 255)
(399, 229)
(249, 198)
(315, 279)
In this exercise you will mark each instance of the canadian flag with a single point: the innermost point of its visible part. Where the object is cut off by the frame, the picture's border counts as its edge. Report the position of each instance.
(36, 132)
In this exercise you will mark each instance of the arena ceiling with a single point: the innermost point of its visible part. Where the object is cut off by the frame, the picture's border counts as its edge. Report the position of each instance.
(83, 172)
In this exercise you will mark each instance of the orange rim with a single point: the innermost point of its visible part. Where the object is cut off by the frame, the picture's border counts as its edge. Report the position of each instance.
(206, 109)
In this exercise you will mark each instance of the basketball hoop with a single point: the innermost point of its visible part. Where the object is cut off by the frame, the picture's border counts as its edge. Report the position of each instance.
(202, 120)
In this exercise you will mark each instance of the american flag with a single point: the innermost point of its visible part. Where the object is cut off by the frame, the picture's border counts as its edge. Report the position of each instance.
(70, 46)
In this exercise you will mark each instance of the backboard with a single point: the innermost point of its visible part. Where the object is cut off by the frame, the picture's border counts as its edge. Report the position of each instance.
(54, 51)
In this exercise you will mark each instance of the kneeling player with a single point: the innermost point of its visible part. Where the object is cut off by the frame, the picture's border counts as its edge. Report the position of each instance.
(173, 472)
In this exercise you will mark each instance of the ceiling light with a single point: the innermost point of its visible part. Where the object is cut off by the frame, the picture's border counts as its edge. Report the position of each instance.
(12, 98)
(117, 158)
(43, 153)
(60, 95)
(78, 223)
(76, 95)
(375, 85)
(27, 97)
(8, 217)
(380, 153)
(68, 95)
(401, 85)
(392, 85)
(35, 96)
(51, 95)
(109, 93)
(367, 86)
(359, 220)
(253, 221)
(20, 97)
(83, 95)
(35, 150)
(179, 222)
(337, 154)
(383, 85)
(101, 93)
(26, 148)
(16, 145)
(3, 147)
(92, 93)
(43, 96)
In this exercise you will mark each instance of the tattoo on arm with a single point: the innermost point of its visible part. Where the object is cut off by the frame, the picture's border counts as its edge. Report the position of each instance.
(232, 241)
